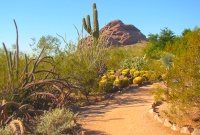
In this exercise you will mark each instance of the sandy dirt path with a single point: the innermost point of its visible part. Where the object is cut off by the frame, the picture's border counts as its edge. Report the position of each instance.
(124, 114)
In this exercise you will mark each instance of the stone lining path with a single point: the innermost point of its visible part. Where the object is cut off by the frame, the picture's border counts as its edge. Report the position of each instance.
(123, 114)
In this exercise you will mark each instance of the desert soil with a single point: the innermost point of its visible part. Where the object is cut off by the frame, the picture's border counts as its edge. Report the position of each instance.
(123, 114)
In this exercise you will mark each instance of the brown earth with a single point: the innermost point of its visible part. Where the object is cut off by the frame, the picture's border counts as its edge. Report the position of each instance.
(123, 114)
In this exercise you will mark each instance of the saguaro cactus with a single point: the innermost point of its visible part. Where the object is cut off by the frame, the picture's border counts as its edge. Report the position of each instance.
(87, 25)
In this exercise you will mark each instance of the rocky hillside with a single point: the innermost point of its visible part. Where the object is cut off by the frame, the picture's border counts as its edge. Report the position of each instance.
(116, 33)
(125, 34)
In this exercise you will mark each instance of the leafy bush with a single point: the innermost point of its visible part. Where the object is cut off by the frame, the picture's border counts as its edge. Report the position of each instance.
(182, 80)
(135, 62)
(158, 43)
(84, 66)
(106, 85)
(116, 55)
(29, 84)
(59, 121)
(7, 130)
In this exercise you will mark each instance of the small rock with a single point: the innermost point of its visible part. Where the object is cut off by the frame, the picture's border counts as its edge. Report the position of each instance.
(185, 130)
(175, 127)
(151, 111)
(160, 120)
(150, 107)
(196, 131)
(155, 117)
(167, 123)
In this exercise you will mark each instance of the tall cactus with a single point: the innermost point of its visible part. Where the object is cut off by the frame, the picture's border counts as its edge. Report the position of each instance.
(87, 25)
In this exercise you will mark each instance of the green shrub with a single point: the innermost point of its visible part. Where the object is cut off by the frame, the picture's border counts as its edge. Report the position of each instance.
(159, 42)
(6, 130)
(155, 69)
(59, 121)
(135, 62)
(116, 55)
(182, 79)
(84, 66)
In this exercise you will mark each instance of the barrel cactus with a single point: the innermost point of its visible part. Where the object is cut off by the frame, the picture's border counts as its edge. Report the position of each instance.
(136, 73)
(137, 80)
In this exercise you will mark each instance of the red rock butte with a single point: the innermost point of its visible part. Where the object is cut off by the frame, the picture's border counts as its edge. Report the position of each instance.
(116, 33)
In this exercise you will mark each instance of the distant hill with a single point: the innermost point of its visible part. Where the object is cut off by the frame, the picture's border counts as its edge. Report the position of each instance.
(118, 33)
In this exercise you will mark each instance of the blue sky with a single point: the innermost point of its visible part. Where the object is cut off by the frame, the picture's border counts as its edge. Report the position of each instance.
(36, 18)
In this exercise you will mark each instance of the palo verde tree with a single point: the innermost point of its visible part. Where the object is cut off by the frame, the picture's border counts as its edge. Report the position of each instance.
(50, 43)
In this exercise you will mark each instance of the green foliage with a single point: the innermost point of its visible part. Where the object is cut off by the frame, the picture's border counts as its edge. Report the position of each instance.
(135, 62)
(106, 85)
(7, 130)
(116, 55)
(160, 93)
(159, 42)
(36, 75)
(87, 25)
(84, 67)
(186, 31)
(3, 68)
(59, 121)
(29, 85)
(152, 51)
(182, 80)
(50, 43)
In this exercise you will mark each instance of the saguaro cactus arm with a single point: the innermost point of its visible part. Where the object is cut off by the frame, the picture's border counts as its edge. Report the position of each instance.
(87, 25)
(95, 24)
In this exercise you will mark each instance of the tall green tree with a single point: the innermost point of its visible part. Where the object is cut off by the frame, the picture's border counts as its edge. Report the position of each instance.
(186, 31)
(158, 42)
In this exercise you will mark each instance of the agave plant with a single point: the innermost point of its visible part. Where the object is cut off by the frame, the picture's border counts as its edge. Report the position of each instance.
(167, 60)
